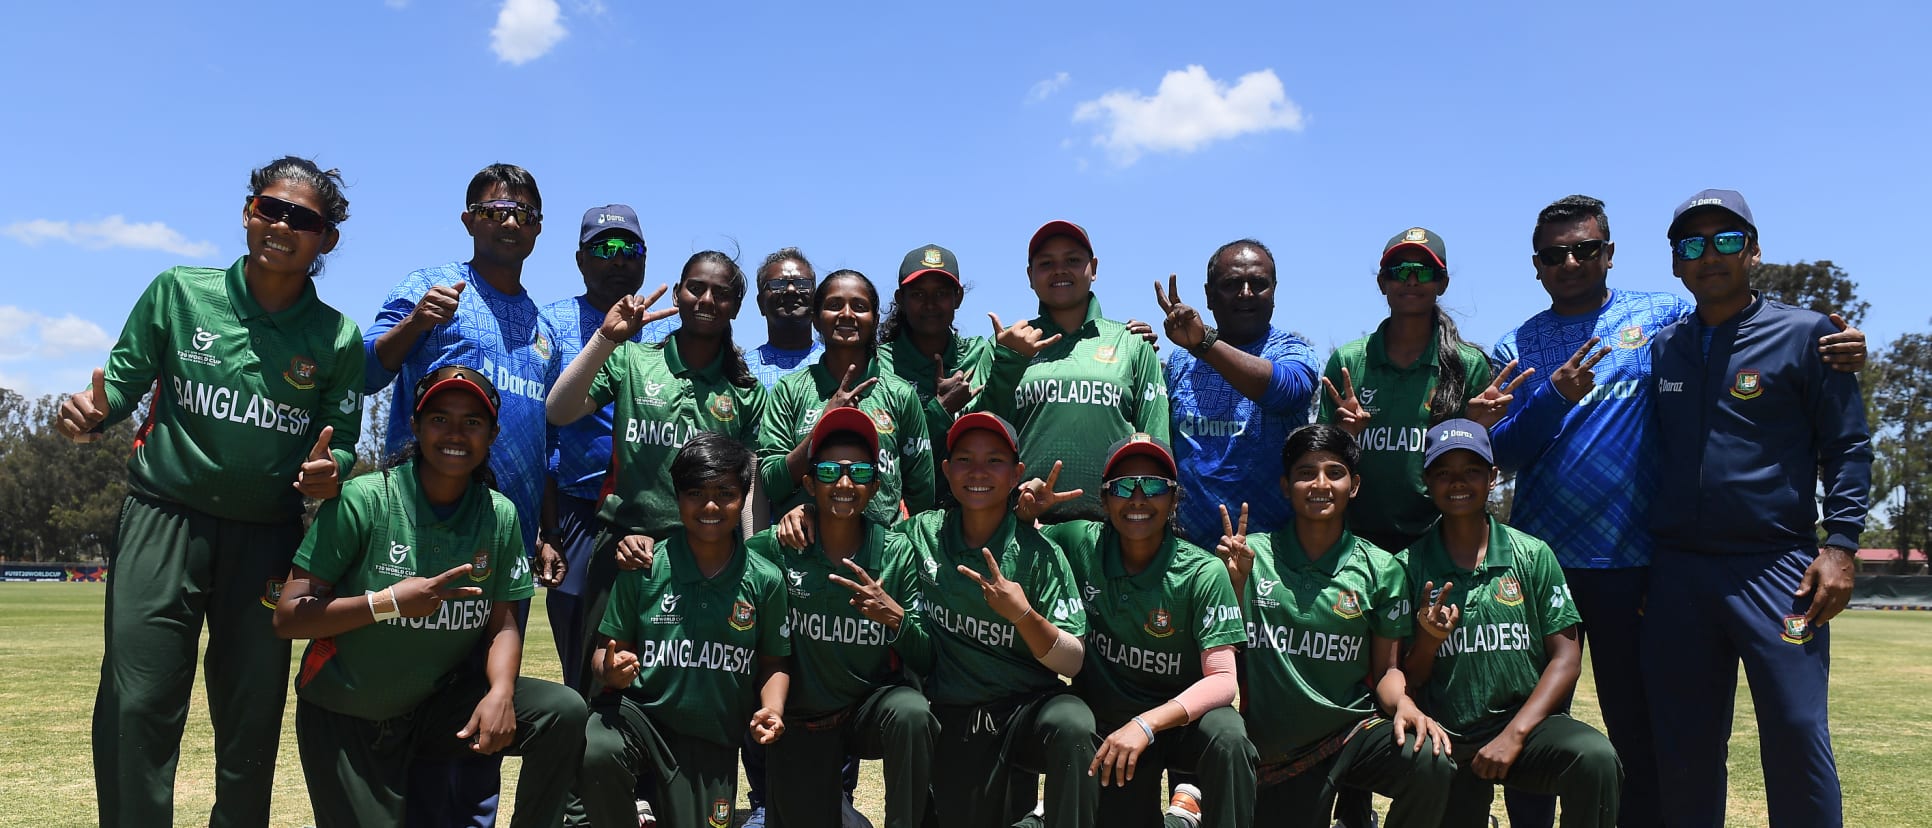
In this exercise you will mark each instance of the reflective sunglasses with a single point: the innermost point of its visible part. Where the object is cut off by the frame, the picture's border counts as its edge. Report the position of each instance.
(1421, 273)
(613, 248)
(794, 283)
(1727, 243)
(828, 471)
(501, 211)
(1150, 485)
(1584, 251)
(298, 218)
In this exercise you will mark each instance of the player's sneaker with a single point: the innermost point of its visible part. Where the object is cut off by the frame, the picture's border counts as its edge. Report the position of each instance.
(646, 818)
(756, 819)
(1186, 804)
(849, 817)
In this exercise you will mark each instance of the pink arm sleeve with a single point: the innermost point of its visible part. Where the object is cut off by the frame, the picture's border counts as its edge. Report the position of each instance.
(1216, 687)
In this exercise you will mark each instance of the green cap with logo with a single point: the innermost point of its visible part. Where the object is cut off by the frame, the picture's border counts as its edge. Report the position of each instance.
(1419, 238)
(930, 258)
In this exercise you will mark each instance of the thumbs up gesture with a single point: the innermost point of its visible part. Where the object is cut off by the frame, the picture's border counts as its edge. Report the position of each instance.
(620, 666)
(319, 476)
(83, 412)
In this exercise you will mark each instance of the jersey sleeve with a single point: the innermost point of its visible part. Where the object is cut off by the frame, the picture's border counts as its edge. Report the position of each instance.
(1391, 611)
(135, 360)
(621, 611)
(1150, 387)
(1476, 369)
(1219, 614)
(1843, 440)
(603, 385)
(1006, 367)
(1051, 590)
(1325, 412)
(774, 619)
(394, 310)
(1555, 609)
(777, 435)
(915, 455)
(336, 540)
(900, 577)
(342, 398)
(765, 545)
(516, 582)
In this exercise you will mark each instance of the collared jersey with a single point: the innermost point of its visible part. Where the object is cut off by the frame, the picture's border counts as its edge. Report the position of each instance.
(580, 451)
(1226, 446)
(698, 639)
(1077, 398)
(977, 657)
(972, 354)
(839, 656)
(661, 402)
(905, 458)
(494, 332)
(1579, 482)
(770, 364)
(1145, 631)
(1310, 625)
(242, 393)
(380, 531)
(1392, 500)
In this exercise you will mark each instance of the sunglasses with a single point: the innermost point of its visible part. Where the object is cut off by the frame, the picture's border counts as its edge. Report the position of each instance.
(1421, 273)
(861, 473)
(298, 218)
(1148, 484)
(1727, 243)
(613, 248)
(501, 211)
(794, 283)
(1584, 251)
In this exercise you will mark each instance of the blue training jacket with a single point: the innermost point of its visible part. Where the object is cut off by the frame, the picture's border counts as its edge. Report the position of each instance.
(1745, 431)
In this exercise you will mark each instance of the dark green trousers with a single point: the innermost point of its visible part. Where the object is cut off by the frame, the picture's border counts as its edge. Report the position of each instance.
(990, 759)
(1561, 756)
(172, 569)
(358, 769)
(1418, 782)
(803, 767)
(1215, 749)
(697, 781)
(600, 575)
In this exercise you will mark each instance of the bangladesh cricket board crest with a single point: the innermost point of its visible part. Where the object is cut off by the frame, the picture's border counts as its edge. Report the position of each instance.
(882, 420)
(1160, 624)
(300, 374)
(1747, 385)
(1632, 337)
(1349, 605)
(720, 812)
(480, 565)
(743, 615)
(272, 594)
(1509, 591)
(1796, 630)
(722, 407)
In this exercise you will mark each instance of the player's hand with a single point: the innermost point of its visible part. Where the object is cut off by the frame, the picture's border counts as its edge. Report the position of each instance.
(420, 597)
(1489, 407)
(798, 528)
(767, 726)
(636, 552)
(1038, 496)
(1844, 350)
(1117, 756)
(848, 395)
(629, 314)
(1022, 338)
(1494, 760)
(871, 599)
(318, 475)
(620, 666)
(955, 391)
(1410, 723)
(1184, 325)
(493, 725)
(1350, 416)
(435, 308)
(1233, 548)
(551, 565)
(1007, 598)
(1576, 378)
(1145, 332)
(1828, 580)
(83, 412)
(1437, 618)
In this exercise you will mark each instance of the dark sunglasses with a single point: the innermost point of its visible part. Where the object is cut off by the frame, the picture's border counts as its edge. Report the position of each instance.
(501, 211)
(614, 248)
(298, 218)
(1586, 250)
(1727, 243)
(1421, 273)
(828, 471)
(794, 283)
(1150, 485)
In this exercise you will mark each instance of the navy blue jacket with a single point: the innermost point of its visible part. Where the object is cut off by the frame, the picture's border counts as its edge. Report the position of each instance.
(1745, 432)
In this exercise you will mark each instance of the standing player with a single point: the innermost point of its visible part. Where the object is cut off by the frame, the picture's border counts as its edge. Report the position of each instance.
(1747, 422)
(917, 342)
(258, 390)
(785, 285)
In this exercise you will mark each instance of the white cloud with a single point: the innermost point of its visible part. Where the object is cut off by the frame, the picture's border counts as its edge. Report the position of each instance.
(30, 335)
(113, 231)
(526, 30)
(1045, 89)
(1189, 111)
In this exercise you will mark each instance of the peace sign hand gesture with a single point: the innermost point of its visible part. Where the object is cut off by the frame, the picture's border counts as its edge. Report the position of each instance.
(1022, 338)
(1350, 416)
(1437, 618)
(847, 396)
(1578, 377)
(1184, 326)
(421, 597)
(871, 599)
(629, 314)
(1489, 407)
(1037, 497)
(1233, 548)
(1005, 597)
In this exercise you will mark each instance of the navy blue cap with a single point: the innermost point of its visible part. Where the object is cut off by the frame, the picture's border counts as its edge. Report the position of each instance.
(1731, 201)
(1449, 435)
(610, 217)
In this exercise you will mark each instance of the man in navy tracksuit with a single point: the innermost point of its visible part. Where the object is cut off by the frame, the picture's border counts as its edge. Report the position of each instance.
(1748, 420)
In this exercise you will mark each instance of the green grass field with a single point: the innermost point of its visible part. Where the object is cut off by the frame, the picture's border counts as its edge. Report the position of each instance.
(50, 660)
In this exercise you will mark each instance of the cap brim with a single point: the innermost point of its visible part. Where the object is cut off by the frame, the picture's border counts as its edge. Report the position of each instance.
(982, 420)
(455, 384)
(1678, 222)
(848, 420)
(1058, 227)
(594, 232)
(907, 279)
(1141, 448)
(1386, 254)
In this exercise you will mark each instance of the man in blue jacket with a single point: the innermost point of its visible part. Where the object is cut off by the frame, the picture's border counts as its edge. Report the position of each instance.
(1747, 421)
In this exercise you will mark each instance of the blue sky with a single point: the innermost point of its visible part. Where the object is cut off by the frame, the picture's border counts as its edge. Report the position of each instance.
(858, 134)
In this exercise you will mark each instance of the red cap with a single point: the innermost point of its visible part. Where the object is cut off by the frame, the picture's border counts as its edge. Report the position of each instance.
(1058, 227)
(983, 420)
(1141, 444)
(843, 419)
(456, 377)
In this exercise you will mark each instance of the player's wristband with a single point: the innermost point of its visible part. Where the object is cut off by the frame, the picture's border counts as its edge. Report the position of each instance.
(1145, 728)
(395, 608)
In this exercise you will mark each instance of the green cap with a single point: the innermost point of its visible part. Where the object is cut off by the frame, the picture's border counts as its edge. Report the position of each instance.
(1420, 238)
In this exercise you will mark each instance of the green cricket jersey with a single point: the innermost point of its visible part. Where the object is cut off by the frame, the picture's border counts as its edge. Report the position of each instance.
(1145, 632)
(661, 403)
(973, 354)
(1074, 400)
(1392, 500)
(1309, 630)
(378, 532)
(240, 393)
(698, 639)
(978, 657)
(905, 455)
(839, 656)
(1491, 662)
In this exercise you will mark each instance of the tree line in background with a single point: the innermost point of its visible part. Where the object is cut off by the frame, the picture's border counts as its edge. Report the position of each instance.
(60, 501)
